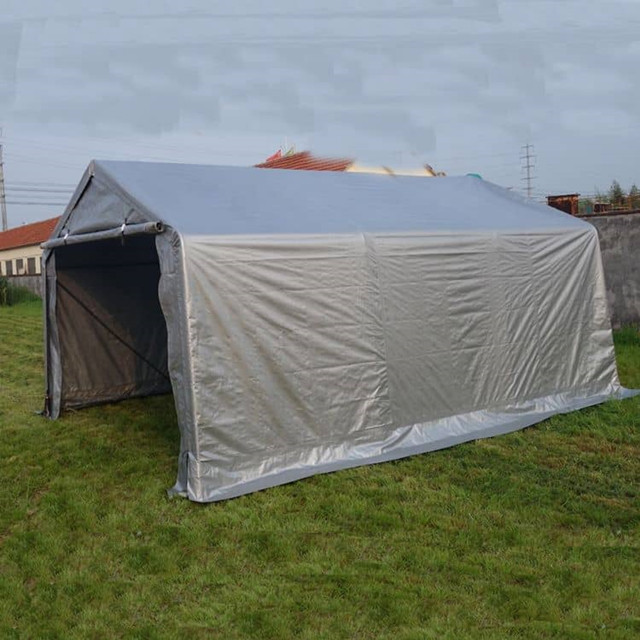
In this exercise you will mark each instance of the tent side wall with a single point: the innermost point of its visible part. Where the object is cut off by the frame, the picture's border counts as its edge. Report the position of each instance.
(315, 353)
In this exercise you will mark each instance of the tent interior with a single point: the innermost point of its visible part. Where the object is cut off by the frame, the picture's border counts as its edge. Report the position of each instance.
(111, 329)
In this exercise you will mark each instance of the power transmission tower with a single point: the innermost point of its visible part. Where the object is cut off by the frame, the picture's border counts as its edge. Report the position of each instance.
(3, 199)
(528, 163)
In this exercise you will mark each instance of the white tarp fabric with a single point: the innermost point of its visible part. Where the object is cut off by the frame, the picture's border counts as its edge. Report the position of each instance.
(320, 321)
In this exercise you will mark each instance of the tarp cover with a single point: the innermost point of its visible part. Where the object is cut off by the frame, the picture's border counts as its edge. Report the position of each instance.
(317, 321)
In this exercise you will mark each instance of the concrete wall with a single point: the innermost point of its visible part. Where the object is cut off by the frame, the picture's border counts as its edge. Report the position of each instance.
(620, 246)
(33, 283)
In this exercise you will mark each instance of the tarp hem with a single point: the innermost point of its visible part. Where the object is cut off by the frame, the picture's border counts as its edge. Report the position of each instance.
(417, 439)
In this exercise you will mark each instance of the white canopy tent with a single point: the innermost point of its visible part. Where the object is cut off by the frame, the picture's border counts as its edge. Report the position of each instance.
(313, 321)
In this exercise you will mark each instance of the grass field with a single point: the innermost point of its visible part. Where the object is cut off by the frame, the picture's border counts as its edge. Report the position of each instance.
(531, 535)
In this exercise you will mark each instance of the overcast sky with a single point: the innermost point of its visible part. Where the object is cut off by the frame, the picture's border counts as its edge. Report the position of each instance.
(460, 84)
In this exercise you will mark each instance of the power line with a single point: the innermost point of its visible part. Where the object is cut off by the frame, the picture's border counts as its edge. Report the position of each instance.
(33, 183)
(38, 202)
(51, 190)
(57, 195)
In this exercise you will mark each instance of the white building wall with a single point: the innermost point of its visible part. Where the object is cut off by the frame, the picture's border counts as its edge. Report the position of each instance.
(20, 253)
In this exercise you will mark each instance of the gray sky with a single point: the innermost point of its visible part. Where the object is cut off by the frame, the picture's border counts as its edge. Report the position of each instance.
(461, 84)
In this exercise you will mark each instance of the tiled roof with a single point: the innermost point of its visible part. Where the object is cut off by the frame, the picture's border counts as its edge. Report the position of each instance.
(305, 161)
(27, 234)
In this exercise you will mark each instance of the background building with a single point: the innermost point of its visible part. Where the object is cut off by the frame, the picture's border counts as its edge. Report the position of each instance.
(20, 250)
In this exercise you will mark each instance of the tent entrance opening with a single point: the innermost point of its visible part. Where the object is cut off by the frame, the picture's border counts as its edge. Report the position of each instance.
(111, 330)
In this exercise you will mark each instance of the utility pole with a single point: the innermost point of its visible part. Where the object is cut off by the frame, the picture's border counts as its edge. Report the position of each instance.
(528, 163)
(3, 199)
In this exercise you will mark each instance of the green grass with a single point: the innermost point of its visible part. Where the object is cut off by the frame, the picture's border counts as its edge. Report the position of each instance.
(531, 535)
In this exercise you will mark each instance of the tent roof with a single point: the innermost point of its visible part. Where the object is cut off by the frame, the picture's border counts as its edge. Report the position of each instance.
(220, 200)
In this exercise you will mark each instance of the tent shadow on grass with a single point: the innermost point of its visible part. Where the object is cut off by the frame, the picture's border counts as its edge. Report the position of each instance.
(145, 427)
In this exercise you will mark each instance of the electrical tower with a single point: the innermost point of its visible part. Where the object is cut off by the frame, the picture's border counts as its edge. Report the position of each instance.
(3, 199)
(528, 163)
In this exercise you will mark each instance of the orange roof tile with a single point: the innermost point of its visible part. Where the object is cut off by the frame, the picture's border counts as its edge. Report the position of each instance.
(305, 161)
(27, 234)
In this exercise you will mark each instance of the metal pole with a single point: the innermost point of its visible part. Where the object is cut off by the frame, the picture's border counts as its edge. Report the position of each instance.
(3, 200)
(106, 234)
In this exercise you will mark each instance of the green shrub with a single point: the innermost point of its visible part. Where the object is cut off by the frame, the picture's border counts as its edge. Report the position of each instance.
(10, 294)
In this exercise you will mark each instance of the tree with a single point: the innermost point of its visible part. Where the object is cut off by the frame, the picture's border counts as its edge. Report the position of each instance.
(616, 194)
(634, 197)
